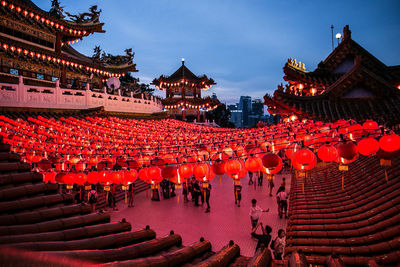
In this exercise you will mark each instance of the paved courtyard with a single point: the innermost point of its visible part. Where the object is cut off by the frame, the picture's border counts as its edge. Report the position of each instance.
(225, 222)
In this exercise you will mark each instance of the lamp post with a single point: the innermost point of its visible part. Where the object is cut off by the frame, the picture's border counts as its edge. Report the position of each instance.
(338, 37)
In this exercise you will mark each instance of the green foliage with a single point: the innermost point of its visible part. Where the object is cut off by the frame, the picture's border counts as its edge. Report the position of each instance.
(221, 116)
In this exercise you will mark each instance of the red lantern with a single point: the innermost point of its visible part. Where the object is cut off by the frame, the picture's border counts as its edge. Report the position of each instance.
(168, 172)
(219, 167)
(104, 177)
(49, 177)
(80, 166)
(271, 164)
(347, 152)
(80, 178)
(305, 167)
(232, 167)
(185, 170)
(116, 177)
(44, 164)
(154, 175)
(327, 153)
(93, 177)
(370, 126)
(390, 142)
(129, 176)
(253, 164)
(200, 170)
(142, 174)
(132, 164)
(368, 146)
(59, 178)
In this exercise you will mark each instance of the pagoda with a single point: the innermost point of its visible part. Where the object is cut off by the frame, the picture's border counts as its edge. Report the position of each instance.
(349, 84)
(183, 94)
(36, 45)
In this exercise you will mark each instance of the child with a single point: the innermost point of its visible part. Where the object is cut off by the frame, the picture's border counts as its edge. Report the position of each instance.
(279, 244)
(250, 178)
(255, 213)
(260, 178)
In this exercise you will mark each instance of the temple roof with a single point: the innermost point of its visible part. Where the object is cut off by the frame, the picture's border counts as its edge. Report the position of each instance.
(79, 26)
(69, 57)
(184, 74)
(355, 85)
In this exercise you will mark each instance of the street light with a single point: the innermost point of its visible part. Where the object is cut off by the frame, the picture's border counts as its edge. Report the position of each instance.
(338, 37)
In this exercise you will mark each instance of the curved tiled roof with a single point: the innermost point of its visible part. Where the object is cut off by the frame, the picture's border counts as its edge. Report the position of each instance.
(359, 222)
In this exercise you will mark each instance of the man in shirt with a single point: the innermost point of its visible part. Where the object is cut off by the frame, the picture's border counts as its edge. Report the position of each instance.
(255, 213)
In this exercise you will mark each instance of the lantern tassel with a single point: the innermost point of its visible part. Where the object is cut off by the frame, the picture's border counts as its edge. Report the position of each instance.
(125, 198)
(386, 176)
(106, 198)
(342, 181)
(147, 193)
(177, 199)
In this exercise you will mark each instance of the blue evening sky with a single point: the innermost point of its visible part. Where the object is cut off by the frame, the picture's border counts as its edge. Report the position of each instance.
(241, 44)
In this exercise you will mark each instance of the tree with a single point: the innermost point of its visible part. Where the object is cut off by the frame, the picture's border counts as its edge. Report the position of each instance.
(56, 10)
(221, 116)
(131, 84)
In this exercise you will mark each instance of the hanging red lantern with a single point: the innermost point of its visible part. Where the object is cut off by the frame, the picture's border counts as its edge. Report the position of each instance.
(142, 174)
(49, 177)
(59, 178)
(80, 166)
(271, 164)
(232, 167)
(168, 172)
(368, 146)
(44, 164)
(129, 176)
(327, 153)
(185, 170)
(132, 164)
(292, 148)
(104, 177)
(93, 177)
(347, 152)
(80, 178)
(370, 126)
(218, 167)
(200, 170)
(253, 164)
(390, 142)
(104, 164)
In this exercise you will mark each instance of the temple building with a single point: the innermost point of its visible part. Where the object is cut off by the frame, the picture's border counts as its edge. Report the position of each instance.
(183, 94)
(349, 84)
(40, 68)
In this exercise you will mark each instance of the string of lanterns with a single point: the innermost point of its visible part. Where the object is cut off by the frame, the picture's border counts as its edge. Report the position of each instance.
(56, 60)
(343, 146)
(46, 21)
(165, 85)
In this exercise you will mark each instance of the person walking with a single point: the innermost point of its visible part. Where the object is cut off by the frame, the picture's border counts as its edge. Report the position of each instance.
(255, 213)
(282, 196)
(237, 190)
(264, 238)
(196, 193)
(185, 191)
(93, 198)
(207, 191)
(270, 185)
(260, 178)
(250, 178)
(131, 194)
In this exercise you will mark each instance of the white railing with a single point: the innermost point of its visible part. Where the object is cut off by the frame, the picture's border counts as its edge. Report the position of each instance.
(23, 95)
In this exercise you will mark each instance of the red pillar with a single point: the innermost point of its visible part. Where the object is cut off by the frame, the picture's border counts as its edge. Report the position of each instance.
(198, 115)
(183, 115)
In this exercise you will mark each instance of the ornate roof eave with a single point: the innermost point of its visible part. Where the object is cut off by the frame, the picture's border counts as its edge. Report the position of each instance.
(19, 48)
(294, 74)
(69, 29)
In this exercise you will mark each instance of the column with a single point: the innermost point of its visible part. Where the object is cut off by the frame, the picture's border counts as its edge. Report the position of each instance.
(198, 115)
(183, 115)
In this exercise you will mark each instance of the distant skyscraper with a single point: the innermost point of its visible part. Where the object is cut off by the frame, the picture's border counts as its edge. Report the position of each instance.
(245, 106)
(257, 107)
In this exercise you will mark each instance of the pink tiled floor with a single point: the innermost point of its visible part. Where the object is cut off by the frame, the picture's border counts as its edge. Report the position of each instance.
(225, 222)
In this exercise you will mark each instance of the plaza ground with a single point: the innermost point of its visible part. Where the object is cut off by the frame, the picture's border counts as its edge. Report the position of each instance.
(225, 222)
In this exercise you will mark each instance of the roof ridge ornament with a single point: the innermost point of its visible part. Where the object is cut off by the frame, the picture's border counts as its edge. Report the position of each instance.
(299, 66)
(346, 33)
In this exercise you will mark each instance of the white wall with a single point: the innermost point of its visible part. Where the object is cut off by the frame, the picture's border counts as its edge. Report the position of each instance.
(56, 97)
